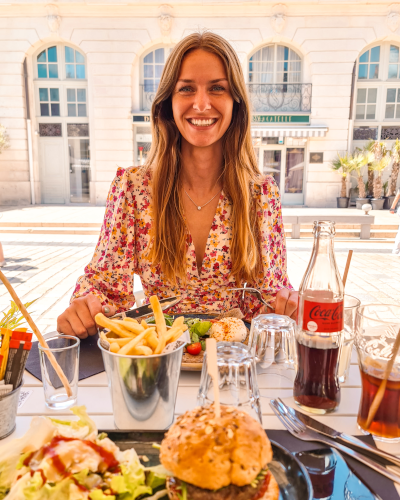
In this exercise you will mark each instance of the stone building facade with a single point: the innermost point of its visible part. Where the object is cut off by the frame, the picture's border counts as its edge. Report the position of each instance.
(77, 79)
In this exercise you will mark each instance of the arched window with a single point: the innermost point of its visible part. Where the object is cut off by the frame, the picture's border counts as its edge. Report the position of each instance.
(377, 97)
(62, 117)
(275, 64)
(47, 63)
(275, 81)
(74, 64)
(152, 67)
(368, 68)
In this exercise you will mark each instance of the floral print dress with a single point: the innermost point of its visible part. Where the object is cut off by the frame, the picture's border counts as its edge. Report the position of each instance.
(123, 250)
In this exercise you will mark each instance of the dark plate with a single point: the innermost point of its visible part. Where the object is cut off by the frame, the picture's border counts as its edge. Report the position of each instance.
(291, 476)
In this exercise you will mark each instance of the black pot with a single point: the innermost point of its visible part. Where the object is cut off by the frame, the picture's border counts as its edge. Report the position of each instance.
(343, 202)
(377, 203)
(360, 202)
(388, 202)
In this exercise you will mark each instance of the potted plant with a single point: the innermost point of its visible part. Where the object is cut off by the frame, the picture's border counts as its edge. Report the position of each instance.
(358, 162)
(4, 140)
(378, 166)
(395, 153)
(342, 165)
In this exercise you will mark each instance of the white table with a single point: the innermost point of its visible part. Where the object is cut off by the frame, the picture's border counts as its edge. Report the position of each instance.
(94, 394)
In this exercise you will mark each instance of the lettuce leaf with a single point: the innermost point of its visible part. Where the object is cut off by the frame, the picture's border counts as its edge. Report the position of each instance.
(132, 483)
(201, 328)
(99, 495)
(84, 428)
(32, 488)
(40, 432)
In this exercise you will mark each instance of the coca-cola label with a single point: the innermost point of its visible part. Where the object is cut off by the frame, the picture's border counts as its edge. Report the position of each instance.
(323, 317)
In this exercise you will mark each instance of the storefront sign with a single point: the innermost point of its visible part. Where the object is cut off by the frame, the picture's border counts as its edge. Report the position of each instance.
(280, 119)
(141, 118)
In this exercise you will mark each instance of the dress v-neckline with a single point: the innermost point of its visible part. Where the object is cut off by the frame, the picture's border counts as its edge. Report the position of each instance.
(192, 249)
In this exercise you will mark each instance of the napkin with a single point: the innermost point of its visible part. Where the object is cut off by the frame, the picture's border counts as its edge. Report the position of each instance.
(377, 483)
(90, 359)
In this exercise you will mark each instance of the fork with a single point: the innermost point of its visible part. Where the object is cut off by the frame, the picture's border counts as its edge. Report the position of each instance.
(300, 431)
(253, 291)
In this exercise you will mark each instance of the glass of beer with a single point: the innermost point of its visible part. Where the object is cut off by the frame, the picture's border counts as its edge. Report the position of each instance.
(377, 326)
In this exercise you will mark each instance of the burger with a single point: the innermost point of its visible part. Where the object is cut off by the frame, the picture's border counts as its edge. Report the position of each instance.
(223, 458)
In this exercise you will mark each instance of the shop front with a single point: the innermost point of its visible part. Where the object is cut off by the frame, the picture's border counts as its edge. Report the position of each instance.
(280, 143)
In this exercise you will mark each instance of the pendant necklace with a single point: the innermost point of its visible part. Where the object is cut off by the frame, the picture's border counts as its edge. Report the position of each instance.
(202, 206)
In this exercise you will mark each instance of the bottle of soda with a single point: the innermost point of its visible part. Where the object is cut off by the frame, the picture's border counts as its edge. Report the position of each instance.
(319, 326)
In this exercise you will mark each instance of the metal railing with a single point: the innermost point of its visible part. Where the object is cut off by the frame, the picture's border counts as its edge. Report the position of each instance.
(264, 97)
(280, 97)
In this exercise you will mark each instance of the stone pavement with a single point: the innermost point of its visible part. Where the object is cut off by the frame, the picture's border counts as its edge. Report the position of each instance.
(45, 267)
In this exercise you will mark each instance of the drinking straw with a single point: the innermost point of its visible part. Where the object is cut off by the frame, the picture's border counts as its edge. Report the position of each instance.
(212, 369)
(346, 269)
(381, 391)
(35, 329)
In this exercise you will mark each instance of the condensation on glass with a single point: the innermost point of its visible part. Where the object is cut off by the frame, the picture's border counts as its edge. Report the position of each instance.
(79, 162)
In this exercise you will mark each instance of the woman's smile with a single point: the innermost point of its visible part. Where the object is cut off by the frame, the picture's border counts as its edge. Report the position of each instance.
(202, 123)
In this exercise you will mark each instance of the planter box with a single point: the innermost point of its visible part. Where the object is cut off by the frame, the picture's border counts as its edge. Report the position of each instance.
(343, 202)
(377, 203)
(360, 202)
(388, 202)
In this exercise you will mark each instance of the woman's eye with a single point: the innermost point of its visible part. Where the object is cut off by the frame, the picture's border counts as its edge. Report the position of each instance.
(186, 90)
(217, 88)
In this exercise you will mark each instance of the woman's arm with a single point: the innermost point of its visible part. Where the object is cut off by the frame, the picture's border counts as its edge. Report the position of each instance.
(109, 275)
(272, 281)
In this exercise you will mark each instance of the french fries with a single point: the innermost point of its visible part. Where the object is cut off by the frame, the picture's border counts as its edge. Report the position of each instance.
(129, 337)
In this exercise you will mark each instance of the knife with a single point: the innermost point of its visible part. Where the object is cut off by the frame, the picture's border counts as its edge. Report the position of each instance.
(146, 310)
(328, 431)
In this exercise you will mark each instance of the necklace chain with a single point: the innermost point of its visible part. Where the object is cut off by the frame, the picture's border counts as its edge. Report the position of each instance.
(202, 206)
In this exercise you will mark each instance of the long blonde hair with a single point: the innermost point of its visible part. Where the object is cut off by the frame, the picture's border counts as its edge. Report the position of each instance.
(240, 170)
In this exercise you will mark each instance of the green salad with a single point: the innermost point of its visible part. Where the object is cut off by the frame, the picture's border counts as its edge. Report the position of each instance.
(64, 460)
(199, 330)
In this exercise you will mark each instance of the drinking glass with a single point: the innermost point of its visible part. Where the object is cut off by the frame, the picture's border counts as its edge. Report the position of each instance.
(351, 304)
(65, 349)
(272, 340)
(237, 379)
(377, 326)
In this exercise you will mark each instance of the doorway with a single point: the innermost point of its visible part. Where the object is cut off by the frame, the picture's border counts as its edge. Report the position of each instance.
(52, 173)
(286, 165)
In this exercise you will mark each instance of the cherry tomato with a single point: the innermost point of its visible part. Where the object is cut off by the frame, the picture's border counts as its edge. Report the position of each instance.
(194, 349)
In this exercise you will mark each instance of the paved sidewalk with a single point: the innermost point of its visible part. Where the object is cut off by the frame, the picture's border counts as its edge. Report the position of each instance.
(46, 267)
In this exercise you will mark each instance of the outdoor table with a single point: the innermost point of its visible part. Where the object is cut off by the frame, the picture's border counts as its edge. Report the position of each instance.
(94, 394)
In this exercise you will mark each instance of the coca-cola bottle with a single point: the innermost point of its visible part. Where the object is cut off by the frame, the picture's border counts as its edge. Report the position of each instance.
(319, 326)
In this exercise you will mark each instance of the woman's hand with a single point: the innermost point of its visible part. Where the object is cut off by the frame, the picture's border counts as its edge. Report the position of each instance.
(285, 303)
(78, 318)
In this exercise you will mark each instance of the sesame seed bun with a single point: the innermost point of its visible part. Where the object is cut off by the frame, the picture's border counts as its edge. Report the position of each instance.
(212, 453)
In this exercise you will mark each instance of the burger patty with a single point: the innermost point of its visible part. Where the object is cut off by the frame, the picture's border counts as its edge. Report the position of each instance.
(231, 492)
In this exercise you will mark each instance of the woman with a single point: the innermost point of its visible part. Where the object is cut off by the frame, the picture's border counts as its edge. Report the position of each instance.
(197, 219)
